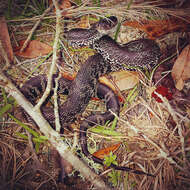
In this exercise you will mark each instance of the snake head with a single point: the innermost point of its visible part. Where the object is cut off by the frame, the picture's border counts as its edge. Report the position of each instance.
(79, 37)
(106, 25)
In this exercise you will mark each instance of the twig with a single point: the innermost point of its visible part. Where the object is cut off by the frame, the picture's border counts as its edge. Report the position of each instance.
(56, 110)
(53, 64)
(34, 28)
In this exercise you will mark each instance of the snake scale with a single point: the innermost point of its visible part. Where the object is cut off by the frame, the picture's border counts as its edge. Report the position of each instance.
(110, 56)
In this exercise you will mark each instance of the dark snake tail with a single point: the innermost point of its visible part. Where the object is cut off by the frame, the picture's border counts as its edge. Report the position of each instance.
(112, 104)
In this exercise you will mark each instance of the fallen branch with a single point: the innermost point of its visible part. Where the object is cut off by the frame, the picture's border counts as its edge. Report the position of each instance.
(53, 137)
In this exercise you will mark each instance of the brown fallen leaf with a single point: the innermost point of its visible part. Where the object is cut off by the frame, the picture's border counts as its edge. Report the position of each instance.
(5, 39)
(106, 151)
(63, 5)
(69, 76)
(124, 80)
(34, 49)
(181, 69)
(157, 28)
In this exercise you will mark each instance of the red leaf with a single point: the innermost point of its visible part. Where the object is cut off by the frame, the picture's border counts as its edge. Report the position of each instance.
(106, 151)
(162, 91)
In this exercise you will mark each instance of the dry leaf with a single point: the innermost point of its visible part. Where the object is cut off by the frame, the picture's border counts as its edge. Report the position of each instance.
(124, 80)
(106, 151)
(84, 22)
(69, 76)
(63, 5)
(34, 49)
(181, 68)
(5, 40)
(162, 90)
(157, 28)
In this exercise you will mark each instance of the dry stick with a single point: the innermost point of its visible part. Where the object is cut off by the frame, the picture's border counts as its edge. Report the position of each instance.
(162, 153)
(36, 18)
(56, 110)
(53, 64)
(51, 134)
(61, 148)
(34, 28)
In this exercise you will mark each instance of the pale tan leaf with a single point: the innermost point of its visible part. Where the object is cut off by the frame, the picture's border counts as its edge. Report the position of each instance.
(181, 68)
(122, 79)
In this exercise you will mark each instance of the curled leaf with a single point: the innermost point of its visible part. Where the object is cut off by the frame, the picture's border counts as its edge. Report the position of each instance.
(181, 68)
(124, 80)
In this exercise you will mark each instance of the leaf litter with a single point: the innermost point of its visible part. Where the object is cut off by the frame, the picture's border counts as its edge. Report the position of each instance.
(155, 130)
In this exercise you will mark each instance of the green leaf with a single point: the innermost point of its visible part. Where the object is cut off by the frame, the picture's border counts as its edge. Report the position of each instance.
(7, 103)
(131, 96)
(111, 159)
(105, 131)
(37, 147)
(4, 95)
(21, 135)
(40, 139)
(129, 4)
(32, 132)
(114, 177)
(117, 31)
(114, 124)
(5, 108)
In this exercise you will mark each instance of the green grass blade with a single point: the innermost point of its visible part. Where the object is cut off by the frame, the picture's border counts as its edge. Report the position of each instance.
(32, 132)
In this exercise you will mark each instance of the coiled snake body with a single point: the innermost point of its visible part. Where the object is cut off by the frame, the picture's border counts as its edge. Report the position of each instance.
(110, 57)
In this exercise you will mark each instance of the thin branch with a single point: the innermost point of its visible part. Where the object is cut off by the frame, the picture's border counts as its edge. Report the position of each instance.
(56, 110)
(53, 64)
(34, 28)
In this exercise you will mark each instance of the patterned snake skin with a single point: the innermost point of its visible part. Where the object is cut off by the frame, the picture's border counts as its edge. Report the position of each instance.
(110, 57)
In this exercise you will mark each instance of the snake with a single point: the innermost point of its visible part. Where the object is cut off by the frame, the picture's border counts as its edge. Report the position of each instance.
(110, 56)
